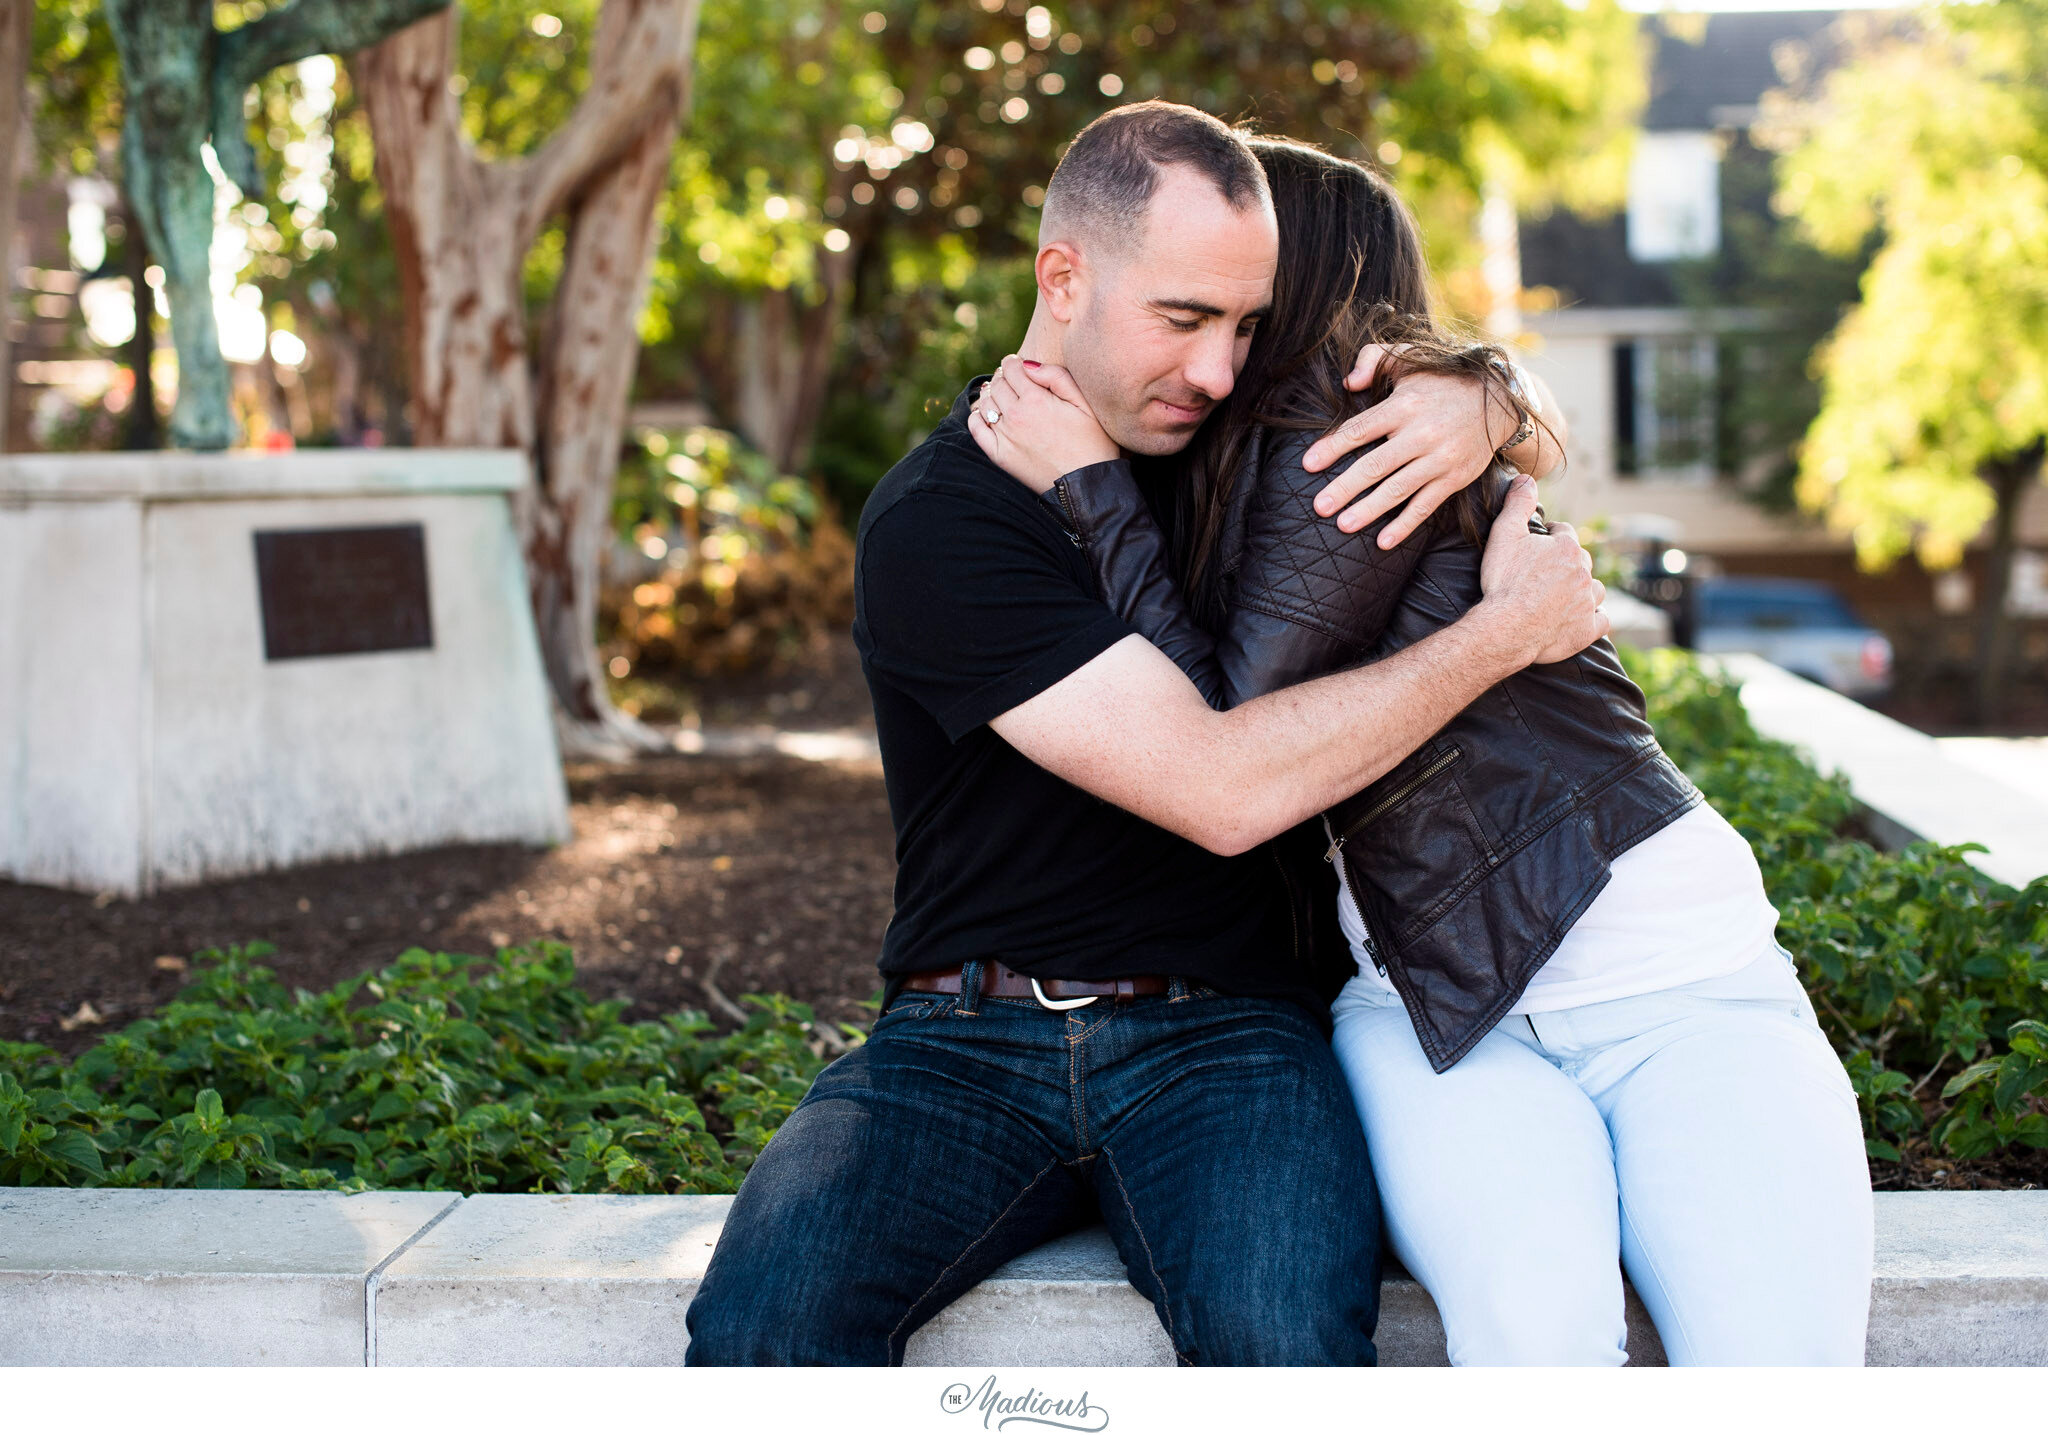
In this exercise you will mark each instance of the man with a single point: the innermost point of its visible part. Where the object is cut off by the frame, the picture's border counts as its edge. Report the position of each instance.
(1096, 1003)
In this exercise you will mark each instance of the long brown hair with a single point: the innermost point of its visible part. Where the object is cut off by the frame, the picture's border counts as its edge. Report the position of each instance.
(1351, 272)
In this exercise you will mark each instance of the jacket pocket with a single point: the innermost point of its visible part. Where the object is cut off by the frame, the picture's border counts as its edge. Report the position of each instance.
(1412, 842)
(1355, 814)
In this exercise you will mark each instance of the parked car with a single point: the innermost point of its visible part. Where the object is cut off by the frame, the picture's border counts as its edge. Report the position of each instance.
(1804, 627)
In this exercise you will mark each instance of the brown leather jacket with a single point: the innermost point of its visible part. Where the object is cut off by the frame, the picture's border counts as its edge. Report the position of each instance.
(1470, 859)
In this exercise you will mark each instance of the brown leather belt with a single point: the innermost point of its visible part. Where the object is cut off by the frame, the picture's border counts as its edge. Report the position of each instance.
(998, 980)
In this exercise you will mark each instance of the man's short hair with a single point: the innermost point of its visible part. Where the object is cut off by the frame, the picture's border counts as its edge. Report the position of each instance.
(1106, 179)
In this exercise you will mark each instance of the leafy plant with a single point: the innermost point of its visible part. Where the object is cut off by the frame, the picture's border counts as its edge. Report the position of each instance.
(438, 1072)
(739, 563)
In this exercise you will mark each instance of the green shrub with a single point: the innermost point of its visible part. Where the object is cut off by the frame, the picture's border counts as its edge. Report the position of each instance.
(436, 1073)
(1930, 978)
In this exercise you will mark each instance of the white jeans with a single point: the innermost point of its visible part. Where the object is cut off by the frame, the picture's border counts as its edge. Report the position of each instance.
(1707, 1134)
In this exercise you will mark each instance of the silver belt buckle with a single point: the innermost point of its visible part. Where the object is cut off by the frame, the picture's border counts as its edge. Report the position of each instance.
(1065, 1004)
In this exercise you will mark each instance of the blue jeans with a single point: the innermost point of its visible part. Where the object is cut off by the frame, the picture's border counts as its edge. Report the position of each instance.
(1704, 1135)
(1213, 1135)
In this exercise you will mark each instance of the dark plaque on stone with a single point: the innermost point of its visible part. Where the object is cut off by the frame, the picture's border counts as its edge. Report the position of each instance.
(328, 591)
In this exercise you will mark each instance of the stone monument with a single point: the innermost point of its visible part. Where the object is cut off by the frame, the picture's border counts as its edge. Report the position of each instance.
(214, 664)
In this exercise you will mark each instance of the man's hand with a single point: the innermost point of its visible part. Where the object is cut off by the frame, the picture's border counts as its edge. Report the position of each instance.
(1440, 434)
(1541, 584)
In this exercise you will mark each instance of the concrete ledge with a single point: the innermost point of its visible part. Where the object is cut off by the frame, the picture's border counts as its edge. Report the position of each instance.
(408, 1278)
(548, 1280)
(1911, 789)
(107, 1277)
(302, 473)
(1962, 1279)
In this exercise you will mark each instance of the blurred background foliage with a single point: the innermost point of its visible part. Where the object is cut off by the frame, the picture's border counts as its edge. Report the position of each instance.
(725, 564)
(849, 230)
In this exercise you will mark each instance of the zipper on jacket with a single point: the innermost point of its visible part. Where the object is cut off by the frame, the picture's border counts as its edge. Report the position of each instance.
(1398, 795)
(1059, 493)
(1372, 948)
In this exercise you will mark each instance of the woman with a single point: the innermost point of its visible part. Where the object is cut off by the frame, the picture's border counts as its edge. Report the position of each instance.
(1572, 1033)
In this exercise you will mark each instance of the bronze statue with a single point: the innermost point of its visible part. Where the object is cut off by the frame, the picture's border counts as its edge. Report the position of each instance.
(185, 82)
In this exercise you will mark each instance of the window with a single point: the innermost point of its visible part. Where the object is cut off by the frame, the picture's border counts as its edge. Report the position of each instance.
(1664, 407)
(1674, 196)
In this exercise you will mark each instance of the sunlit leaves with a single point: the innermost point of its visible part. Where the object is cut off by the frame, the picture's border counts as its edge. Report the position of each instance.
(1937, 140)
(519, 72)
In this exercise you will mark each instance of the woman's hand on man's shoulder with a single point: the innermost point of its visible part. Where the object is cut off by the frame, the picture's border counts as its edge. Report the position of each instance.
(1032, 422)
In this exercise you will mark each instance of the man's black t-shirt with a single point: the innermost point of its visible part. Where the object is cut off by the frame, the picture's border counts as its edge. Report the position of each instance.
(969, 599)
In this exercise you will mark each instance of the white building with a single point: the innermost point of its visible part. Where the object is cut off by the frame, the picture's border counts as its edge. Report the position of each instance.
(1634, 358)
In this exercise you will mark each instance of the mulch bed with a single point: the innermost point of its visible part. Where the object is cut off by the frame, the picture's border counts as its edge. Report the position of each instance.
(770, 875)
(688, 882)
(2017, 1168)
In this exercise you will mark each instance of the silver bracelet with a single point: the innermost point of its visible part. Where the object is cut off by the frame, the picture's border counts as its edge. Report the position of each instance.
(1523, 393)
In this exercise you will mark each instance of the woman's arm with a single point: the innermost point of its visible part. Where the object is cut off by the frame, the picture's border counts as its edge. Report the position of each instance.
(1103, 508)
(1309, 595)
(1046, 437)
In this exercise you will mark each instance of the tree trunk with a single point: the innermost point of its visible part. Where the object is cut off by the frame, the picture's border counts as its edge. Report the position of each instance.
(2009, 479)
(141, 429)
(454, 226)
(462, 226)
(588, 354)
(767, 368)
(344, 366)
(781, 354)
(15, 42)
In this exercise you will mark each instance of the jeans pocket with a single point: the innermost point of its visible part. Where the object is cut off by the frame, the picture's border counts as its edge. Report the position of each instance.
(915, 1006)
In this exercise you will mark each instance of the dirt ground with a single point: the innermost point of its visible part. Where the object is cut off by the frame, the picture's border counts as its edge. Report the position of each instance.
(754, 874)
(689, 881)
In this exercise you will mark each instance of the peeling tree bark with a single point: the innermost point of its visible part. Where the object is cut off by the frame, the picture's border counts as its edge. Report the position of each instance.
(15, 16)
(462, 226)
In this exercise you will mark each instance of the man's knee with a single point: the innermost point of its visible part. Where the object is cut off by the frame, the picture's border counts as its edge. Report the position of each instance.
(1287, 1301)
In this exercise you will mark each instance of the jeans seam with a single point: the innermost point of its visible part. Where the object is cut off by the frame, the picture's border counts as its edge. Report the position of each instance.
(1074, 1039)
(1152, 1265)
(954, 1265)
(1650, 1260)
(926, 1004)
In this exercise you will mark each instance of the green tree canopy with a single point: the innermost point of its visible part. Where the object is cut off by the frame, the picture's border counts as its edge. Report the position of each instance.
(876, 166)
(868, 170)
(1935, 139)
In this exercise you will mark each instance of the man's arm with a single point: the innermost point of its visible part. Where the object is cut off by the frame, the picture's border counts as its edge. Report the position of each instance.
(1129, 727)
(1441, 434)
